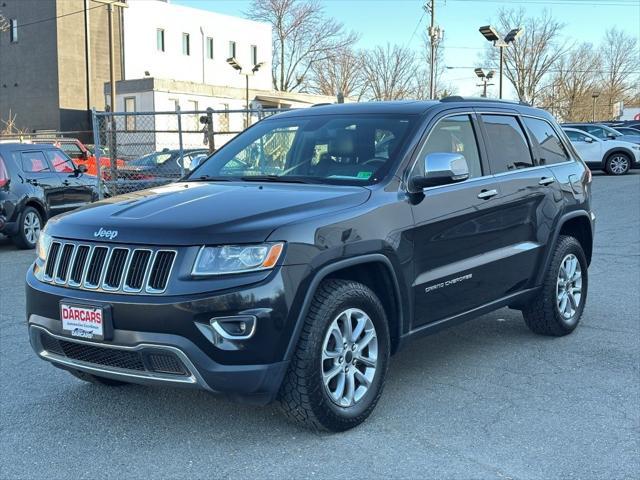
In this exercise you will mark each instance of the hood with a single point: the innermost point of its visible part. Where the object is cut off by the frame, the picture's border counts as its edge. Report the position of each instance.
(193, 213)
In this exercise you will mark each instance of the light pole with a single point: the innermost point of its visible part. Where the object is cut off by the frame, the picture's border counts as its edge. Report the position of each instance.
(594, 96)
(236, 66)
(492, 35)
(435, 37)
(485, 80)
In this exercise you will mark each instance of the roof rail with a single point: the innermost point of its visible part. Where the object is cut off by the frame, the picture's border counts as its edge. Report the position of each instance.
(321, 104)
(458, 98)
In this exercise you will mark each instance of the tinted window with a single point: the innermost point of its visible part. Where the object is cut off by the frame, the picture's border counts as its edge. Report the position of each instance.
(550, 147)
(575, 136)
(71, 149)
(596, 131)
(327, 149)
(455, 135)
(507, 143)
(34, 162)
(60, 162)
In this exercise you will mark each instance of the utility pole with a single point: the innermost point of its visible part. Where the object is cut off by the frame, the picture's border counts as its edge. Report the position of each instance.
(435, 36)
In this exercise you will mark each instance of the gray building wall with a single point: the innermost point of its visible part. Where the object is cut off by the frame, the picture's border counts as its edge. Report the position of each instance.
(49, 63)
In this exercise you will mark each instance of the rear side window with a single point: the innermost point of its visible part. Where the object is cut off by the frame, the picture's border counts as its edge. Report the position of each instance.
(34, 162)
(455, 135)
(549, 145)
(507, 143)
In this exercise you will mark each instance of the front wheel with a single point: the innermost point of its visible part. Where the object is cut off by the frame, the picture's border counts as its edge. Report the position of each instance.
(30, 224)
(557, 308)
(338, 370)
(618, 164)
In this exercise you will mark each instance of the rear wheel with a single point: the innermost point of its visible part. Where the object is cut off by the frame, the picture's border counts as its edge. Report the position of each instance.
(618, 164)
(337, 373)
(557, 308)
(30, 224)
(87, 377)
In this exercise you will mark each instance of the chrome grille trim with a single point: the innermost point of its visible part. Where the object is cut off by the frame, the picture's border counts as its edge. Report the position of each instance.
(144, 270)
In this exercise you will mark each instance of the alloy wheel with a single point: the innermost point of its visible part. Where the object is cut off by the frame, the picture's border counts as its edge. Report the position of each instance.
(31, 227)
(349, 357)
(569, 286)
(619, 164)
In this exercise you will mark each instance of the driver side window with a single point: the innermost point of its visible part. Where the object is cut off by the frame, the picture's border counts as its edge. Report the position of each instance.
(455, 135)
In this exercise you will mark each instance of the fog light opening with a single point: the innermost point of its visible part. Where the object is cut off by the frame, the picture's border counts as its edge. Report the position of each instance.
(235, 328)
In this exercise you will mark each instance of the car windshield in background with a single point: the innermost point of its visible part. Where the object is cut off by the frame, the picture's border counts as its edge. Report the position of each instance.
(151, 160)
(345, 149)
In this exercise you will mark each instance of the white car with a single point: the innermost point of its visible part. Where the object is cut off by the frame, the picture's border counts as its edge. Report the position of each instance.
(613, 156)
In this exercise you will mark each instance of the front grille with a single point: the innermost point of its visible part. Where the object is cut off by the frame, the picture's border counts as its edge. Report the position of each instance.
(154, 362)
(114, 269)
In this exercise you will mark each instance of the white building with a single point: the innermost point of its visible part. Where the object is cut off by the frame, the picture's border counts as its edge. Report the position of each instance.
(181, 43)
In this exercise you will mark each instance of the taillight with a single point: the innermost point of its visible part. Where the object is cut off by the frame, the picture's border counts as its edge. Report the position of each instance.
(589, 175)
(4, 175)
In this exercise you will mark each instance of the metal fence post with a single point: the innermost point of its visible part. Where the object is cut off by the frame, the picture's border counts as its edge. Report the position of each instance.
(210, 139)
(180, 141)
(97, 152)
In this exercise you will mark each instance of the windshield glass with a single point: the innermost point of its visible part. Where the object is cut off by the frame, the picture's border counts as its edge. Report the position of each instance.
(347, 149)
(151, 160)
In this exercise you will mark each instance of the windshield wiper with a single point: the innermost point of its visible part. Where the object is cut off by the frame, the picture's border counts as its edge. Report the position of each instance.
(278, 179)
(209, 178)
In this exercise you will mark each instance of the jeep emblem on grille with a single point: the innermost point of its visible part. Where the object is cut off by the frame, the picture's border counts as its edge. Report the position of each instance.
(102, 233)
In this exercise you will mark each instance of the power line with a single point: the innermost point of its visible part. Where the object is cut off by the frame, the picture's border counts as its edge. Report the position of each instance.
(556, 70)
(617, 3)
(36, 22)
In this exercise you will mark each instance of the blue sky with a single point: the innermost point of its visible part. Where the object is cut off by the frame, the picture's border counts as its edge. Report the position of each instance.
(395, 21)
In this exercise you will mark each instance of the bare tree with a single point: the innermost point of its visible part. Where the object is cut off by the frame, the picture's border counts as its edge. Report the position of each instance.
(619, 68)
(424, 68)
(303, 35)
(568, 94)
(534, 53)
(341, 72)
(390, 72)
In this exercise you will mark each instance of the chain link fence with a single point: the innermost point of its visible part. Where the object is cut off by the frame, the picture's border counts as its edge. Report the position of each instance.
(139, 150)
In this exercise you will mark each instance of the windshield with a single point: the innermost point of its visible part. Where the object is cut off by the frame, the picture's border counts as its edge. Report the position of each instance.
(611, 131)
(151, 160)
(346, 149)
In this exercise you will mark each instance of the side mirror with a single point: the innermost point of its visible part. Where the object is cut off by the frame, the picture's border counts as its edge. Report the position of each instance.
(82, 168)
(85, 154)
(588, 139)
(441, 169)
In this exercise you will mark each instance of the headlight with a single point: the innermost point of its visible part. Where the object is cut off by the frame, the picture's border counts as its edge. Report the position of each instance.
(43, 244)
(236, 259)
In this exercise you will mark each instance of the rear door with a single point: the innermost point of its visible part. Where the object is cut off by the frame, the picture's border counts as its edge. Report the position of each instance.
(38, 173)
(528, 201)
(454, 228)
(77, 191)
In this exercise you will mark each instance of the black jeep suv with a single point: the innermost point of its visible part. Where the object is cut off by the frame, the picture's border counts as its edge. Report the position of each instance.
(294, 261)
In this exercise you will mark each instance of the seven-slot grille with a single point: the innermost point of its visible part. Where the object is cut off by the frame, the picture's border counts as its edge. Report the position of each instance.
(109, 268)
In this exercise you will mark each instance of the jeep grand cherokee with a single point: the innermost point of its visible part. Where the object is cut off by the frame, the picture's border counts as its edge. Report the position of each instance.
(293, 262)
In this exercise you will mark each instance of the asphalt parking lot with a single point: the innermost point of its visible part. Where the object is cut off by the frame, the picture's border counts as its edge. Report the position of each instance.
(487, 399)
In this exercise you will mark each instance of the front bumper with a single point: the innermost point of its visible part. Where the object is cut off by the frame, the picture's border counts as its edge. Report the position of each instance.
(174, 329)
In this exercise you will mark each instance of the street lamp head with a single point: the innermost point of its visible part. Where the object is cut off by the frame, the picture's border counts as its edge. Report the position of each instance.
(491, 74)
(257, 67)
(513, 34)
(595, 94)
(234, 63)
(479, 72)
(489, 33)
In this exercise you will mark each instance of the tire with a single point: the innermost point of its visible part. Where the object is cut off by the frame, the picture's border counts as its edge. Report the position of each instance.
(617, 164)
(87, 377)
(30, 223)
(552, 312)
(304, 397)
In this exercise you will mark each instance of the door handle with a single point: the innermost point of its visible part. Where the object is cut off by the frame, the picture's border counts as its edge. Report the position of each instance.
(486, 194)
(33, 182)
(546, 181)
(66, 183)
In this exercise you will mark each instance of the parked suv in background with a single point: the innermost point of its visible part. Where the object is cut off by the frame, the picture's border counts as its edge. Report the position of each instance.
(36, 183)
(294, 261)
(604, 132)
(612, 156)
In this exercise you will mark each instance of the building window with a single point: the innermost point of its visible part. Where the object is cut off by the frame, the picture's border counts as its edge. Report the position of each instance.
(13, 30)
(232, 49)
(186, 47)
(210, 48)
(254, 55)
(130, 107)
(195, 119)
(160, 40)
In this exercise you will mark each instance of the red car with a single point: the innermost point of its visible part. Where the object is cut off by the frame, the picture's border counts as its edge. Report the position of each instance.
(82, 155)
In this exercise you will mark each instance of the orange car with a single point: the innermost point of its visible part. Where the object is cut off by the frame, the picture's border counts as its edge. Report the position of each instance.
(81, 155)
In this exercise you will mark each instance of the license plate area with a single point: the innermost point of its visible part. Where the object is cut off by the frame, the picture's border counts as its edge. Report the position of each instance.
(84, 321)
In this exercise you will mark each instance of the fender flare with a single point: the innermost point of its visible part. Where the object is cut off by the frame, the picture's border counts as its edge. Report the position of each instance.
(333, 267)
(556, 234)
